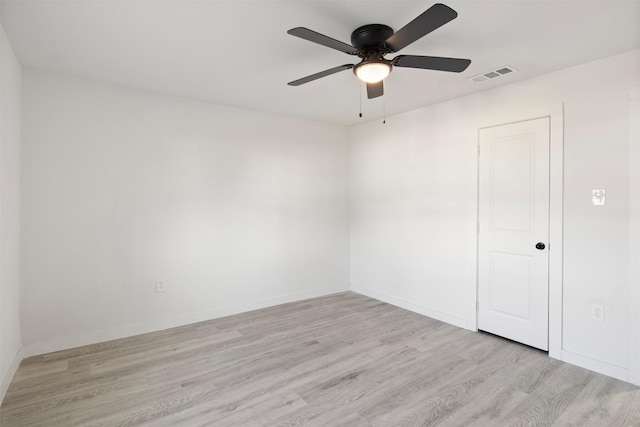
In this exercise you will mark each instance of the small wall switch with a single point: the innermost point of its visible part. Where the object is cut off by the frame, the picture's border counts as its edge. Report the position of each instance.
(159, 286)
(598, 197)
(597, 312)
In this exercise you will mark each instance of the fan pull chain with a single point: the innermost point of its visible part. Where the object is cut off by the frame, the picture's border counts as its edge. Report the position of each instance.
(360, 97)
(384, 110)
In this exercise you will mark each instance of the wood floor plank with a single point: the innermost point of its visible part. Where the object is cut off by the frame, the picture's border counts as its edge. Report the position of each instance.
(339, 360)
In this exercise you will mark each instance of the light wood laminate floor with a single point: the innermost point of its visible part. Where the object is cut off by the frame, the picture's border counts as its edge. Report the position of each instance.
(340, 360)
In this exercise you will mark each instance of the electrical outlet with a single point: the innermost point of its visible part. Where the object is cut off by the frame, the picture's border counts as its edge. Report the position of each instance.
(597, 312)
(159, 286)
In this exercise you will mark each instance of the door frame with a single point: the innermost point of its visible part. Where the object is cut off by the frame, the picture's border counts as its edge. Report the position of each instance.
(634, 235)
(555, 113)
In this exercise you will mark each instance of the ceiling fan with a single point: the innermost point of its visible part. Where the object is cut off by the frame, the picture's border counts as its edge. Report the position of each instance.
(371, 42)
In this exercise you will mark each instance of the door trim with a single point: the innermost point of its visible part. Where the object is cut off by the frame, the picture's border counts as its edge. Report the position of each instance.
(634, 235)
(556, 210)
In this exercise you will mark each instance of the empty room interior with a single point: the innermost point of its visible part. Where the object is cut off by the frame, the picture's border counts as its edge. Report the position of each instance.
(219, 213)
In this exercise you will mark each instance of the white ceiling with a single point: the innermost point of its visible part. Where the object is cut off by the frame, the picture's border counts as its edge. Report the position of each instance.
(237, 52)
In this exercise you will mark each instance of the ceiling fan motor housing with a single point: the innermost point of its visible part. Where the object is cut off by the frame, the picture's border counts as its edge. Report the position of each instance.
(369, 40)
(371, 37)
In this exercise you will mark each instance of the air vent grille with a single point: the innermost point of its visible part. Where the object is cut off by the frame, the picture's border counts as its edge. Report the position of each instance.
(493, 74)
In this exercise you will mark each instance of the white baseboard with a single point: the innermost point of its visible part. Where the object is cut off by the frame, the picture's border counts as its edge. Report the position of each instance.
(6, 378)
(416, 308)
(596, 365)
(94, 337)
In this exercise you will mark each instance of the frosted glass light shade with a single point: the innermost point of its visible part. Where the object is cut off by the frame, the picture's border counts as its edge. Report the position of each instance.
(372, 72)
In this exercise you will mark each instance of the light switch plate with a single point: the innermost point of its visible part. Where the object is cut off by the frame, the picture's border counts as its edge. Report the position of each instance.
(598, 197)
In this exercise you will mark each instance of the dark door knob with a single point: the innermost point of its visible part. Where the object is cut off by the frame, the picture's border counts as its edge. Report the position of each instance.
(540, 245)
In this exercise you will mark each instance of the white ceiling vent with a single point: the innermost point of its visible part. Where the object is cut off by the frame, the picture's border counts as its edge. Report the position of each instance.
(499, 72)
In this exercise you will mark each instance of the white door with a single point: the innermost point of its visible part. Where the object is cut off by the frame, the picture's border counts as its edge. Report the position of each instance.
(513, 216)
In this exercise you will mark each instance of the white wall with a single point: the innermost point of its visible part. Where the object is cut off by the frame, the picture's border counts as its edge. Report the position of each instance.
(10, 98)
(232, 209)
(413, 204)
(236, 210)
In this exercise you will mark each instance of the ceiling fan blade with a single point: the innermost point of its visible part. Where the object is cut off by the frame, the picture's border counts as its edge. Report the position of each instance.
(431, 19)
(375, 90)
(312, 36)
(454, 65)
(316, 76)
